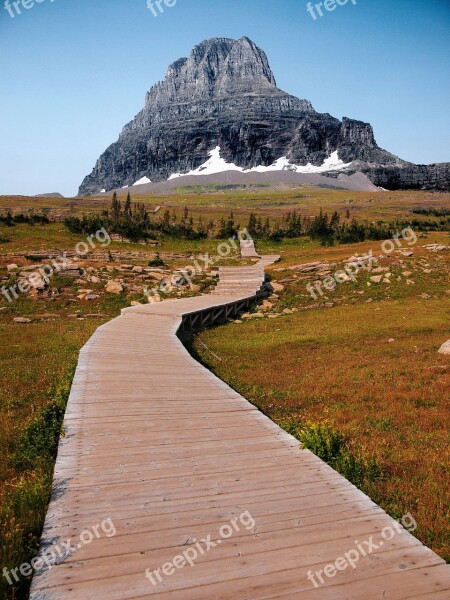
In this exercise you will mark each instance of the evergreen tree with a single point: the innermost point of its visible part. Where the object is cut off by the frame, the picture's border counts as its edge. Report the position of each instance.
(115, 207)
(127, 208)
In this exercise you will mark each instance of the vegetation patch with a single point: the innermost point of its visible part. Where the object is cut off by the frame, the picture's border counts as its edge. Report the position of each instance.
(24, 504)
(331, 446)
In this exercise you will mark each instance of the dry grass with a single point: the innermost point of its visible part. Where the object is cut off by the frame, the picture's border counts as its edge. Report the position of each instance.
(214, 202)
(371, 371)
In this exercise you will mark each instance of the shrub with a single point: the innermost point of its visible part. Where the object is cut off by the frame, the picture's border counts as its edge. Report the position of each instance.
(331, 447)
(157, 261)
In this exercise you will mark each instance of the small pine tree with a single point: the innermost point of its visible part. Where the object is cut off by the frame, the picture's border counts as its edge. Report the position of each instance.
(116, 209)
(127, 208)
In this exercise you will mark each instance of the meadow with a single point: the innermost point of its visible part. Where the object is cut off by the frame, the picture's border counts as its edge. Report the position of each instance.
(358, 369)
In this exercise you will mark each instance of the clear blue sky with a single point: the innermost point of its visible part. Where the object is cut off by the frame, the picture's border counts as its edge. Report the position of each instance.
(73, 72)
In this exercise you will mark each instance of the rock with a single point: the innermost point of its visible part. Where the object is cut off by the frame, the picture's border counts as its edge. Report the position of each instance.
(407, 273)
(22, 320)
(12, 267)
(135, 303)
(225, 95)
(266, 305)
(436, 247)
(158, 276)
(425, 296)
(377, 278)
(37, 283)
(407, 253)
(277, 287)
(94, 279)
(445, 348)
(126, 267)
(287, 311)
(138, 269)
(114, 287)
(391, 340)
(91, 297)
(73, 271)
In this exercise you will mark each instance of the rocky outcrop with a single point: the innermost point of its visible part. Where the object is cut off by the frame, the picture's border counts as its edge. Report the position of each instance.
(225, 94)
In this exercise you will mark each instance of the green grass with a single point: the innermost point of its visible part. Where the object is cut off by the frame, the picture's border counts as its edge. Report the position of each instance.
(24, 505)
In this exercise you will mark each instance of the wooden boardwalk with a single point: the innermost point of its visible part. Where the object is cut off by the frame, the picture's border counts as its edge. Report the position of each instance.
(171, 454)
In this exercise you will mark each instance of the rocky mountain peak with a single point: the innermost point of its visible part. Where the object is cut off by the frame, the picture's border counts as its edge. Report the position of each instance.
(216, 68)
(224, 95)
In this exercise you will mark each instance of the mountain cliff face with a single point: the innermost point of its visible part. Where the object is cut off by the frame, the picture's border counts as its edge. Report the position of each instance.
(225, 95)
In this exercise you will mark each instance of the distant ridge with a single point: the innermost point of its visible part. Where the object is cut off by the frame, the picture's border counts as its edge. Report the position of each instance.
(49, 195)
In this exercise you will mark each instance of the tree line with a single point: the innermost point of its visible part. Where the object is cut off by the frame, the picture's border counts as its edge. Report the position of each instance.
(132, 221)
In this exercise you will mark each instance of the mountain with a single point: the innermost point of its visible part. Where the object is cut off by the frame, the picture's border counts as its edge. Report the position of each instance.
(221, 108)
(50, 195)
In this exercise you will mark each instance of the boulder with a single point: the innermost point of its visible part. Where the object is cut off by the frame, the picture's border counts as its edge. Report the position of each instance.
(445, 348)
(22, 320)
(377, 278)
(12, 267)
(277, 287)
(114, 287)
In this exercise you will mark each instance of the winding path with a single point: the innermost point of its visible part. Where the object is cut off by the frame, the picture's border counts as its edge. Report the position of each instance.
(171, 454)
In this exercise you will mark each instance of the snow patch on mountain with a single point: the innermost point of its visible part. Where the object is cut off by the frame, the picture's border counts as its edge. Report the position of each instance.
(216, 164)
